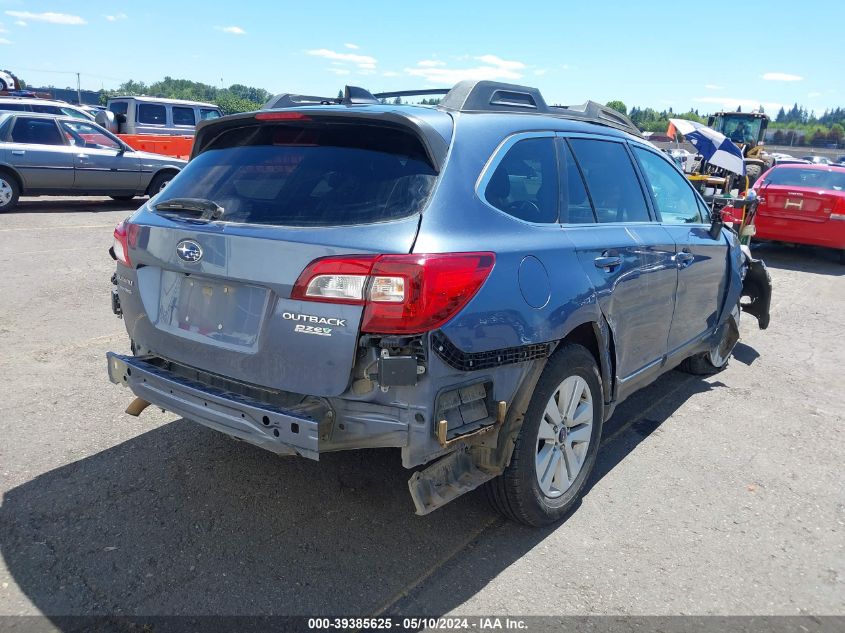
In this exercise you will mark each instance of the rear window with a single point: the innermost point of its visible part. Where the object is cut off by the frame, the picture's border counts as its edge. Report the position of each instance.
(814, 178)
(119, 107)
(310, 175)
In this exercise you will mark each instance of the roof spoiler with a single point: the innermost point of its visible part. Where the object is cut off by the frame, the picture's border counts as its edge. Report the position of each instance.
(474, 96)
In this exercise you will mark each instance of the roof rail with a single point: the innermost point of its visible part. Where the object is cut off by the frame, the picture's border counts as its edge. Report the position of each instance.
(352, 95)
(593, 112)
(492, 96)
(474, 96)
(412, 93)
(289, 100)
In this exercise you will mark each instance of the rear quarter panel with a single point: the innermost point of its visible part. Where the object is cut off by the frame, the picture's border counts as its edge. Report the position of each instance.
(456, 220)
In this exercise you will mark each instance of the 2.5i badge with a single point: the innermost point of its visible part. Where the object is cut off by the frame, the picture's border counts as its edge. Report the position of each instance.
(310, 324)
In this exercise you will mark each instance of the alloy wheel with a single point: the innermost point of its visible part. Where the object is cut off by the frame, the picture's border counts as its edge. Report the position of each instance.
(5, 193)
(563, 437)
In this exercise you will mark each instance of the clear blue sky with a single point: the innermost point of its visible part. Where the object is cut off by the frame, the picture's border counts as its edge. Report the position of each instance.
(656, 53)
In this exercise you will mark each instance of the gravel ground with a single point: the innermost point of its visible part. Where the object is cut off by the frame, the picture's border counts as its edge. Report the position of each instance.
(711, 496)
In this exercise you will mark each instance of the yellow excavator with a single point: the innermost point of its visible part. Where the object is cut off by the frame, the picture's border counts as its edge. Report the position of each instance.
(747, 130)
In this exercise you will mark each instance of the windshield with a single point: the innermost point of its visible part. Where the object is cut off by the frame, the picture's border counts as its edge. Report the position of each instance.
(310, 175)
(811, 178)
(740, 129)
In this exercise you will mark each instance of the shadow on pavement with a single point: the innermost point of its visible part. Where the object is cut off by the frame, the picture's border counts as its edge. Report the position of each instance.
(468, 573)
(75, 205)
(183, 520)
(797, 257)
(745, 354)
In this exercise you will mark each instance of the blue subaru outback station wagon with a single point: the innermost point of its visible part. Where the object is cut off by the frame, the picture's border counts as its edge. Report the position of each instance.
(478, 284)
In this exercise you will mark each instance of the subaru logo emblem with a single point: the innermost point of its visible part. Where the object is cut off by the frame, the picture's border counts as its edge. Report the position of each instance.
(189, 251)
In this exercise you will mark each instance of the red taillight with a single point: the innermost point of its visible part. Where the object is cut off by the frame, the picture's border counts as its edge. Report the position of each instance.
(125, 235)
(282, 116)
(335, 279)
(402, 294)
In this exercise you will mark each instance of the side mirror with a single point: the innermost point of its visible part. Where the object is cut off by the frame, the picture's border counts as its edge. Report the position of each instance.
(716, 224)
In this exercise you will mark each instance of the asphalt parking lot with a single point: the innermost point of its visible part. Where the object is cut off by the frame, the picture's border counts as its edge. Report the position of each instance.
(723, 495)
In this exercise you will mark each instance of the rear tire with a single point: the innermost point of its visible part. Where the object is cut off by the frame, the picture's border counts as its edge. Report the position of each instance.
(9, 192)
(159, 182)
(717, 358)
(559, 439)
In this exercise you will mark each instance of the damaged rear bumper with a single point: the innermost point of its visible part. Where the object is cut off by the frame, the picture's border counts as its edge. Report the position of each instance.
(281, 431)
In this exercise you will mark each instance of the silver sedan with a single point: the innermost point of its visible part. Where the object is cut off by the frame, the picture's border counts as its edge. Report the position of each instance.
(43, 154)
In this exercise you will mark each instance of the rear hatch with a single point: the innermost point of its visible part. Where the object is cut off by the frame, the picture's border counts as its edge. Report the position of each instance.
(217, 254)
(806, 194)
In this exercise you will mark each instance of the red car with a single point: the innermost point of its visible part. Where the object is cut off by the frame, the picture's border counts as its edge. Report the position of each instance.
(800, 204)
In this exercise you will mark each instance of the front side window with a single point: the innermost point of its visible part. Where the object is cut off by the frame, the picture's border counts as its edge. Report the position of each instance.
(78, 114)
(36, 132)
(208, 113)
(673, 197)
(611, 181)
(183, 116)
(152, 114)
(525, 183)
(86, 135)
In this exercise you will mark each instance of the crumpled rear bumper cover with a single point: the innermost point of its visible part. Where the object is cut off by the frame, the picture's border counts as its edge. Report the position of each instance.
(277, 430)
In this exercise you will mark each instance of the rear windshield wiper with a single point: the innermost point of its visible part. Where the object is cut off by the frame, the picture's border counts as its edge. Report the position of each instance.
(201, 208)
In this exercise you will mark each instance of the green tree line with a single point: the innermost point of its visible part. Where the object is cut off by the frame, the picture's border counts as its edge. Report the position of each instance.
(796, 126)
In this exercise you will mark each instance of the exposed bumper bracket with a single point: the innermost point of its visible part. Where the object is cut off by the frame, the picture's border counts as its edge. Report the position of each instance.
(285, 432)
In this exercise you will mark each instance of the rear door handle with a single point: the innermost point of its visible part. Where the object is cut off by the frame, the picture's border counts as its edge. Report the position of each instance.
(82, 156)
(608, 261)
(684, 259)
(18, 152)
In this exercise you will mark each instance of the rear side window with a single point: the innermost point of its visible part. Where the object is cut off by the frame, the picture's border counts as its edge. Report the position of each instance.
(36, 132)
(183, 116)
(525, 183)
(47, 109)
(152, 114)
(310, 175)
(672, 196)
(13, 107)
(611, 181)
(207, 113)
